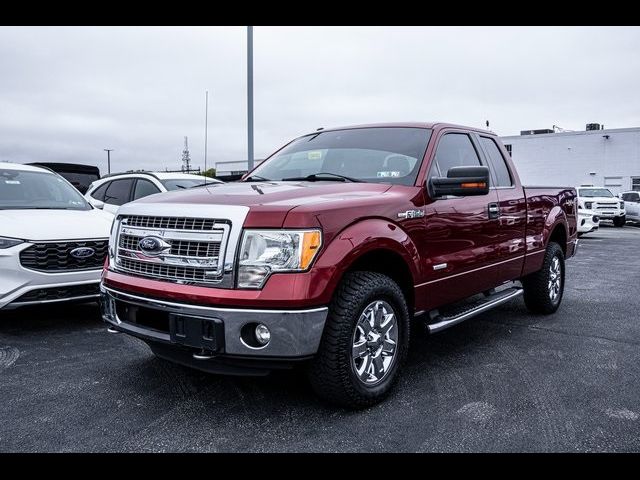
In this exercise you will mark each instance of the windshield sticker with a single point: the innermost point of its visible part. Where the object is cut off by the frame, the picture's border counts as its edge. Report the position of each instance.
(390, 173)
(314, 155)
(12, 182)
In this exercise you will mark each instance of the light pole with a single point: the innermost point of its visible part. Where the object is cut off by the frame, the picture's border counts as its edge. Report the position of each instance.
(206, 129)
(108, 150)
(250, 97)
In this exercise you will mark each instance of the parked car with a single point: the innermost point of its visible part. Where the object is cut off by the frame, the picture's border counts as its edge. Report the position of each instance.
(604, 203)
(326, 251)
(588, 220)
(113, 191)
(52, 242)
(78, 175)
(632, 205)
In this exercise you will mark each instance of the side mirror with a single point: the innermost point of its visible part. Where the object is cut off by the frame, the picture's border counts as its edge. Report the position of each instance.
(99, 204)
(462, 181)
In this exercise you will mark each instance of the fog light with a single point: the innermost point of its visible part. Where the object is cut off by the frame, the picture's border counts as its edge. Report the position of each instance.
(263, 335)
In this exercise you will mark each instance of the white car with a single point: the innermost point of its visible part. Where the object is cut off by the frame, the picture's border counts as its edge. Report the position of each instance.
(112, 191)
(588, 221)
(52, 242)
(632, 205)
(604, 203)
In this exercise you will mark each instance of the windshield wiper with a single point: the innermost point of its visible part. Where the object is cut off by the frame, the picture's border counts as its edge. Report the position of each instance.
(315, 177)
(256, 178)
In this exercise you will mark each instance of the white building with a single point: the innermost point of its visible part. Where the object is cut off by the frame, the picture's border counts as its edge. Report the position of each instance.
(604, 158)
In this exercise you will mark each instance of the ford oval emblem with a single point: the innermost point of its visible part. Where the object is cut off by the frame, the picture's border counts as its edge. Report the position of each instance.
(82, 252)
(152, 246)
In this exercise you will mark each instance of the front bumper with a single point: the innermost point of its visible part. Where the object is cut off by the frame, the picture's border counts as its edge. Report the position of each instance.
(215, 330)
(21, 286)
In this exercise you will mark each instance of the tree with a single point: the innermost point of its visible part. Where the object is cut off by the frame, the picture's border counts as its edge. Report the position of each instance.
(211, 173)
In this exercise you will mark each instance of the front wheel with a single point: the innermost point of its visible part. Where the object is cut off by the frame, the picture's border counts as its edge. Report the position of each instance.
(543, 289)
(620, 221)
(364, 343)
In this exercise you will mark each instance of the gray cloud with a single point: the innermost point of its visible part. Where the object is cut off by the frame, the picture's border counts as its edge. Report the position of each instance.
(68, 92)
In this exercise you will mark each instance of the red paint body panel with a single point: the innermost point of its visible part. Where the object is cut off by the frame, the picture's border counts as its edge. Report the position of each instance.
(358, 218)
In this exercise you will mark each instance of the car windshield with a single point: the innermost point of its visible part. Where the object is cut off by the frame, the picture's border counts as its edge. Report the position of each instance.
(23, 190)
(183, 183)
(595, 192)
(376, 154)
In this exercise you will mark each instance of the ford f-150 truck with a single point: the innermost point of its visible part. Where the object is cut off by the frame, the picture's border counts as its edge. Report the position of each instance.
(329, 252)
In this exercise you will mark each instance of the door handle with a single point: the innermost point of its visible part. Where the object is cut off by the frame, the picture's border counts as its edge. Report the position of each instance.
(494, 210)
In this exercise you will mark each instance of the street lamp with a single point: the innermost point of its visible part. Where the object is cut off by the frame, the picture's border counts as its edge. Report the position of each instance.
(250, 98)
(108, 150)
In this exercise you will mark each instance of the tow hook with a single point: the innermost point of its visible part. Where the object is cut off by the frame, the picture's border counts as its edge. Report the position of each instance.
(203, 355)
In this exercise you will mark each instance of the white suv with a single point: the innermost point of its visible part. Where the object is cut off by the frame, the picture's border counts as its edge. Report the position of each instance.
(604, 203)
(52, 242)
(632, 205)
(112, 191)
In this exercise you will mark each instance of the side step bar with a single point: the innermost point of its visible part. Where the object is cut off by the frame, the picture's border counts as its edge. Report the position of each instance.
(491, 301)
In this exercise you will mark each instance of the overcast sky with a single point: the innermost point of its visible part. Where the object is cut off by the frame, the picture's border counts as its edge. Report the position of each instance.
(68, 93)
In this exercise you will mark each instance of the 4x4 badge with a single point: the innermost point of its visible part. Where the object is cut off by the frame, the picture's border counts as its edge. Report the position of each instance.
(411, 214)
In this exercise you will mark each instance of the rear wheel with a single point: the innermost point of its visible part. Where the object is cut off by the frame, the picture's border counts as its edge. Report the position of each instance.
(543, 289)
(620, 221)
(364, 343)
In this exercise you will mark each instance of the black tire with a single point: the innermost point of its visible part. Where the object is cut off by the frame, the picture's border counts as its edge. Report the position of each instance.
(619, 221)
(331, 373)
(537, 296)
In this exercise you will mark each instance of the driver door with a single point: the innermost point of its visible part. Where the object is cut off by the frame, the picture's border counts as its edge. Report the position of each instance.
(459, 253)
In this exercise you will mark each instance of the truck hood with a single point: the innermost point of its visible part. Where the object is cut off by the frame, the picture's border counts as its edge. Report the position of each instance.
(269, 196)
(55, 224)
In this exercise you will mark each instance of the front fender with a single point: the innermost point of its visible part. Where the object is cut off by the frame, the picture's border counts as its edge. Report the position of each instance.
(358, 239)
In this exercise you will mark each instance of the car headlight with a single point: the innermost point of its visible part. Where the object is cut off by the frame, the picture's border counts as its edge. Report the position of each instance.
(263, 252)
(588, 205)
(6, 242)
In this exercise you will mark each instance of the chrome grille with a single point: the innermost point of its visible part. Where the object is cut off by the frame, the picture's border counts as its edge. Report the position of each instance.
(173, 223)
(184, 248)
(195, 251)
(160, 271)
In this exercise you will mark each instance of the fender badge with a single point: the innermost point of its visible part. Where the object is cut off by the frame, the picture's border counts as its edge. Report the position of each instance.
(411, 214)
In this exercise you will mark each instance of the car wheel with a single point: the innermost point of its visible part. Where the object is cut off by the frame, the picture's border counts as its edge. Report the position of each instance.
(620, 221)
(543, 289)
(365, 341)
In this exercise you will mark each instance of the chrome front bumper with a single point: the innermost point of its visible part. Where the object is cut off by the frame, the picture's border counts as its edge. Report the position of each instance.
(294, 333)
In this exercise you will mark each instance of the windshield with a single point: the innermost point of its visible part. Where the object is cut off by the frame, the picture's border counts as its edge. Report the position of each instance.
(595, 192)
(385, 155)
(31, 190)
(183, 183)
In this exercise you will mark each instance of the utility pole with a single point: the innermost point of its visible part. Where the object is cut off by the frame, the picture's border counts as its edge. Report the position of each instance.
(206, 121)
(250, 97)
(108, 150)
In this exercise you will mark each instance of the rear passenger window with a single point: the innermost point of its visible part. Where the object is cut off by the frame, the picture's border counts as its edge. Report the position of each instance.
(118, 192)
(455, 150)
(98, 193)
(498, 164)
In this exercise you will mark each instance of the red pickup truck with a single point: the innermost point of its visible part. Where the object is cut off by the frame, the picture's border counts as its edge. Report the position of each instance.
(331, 250)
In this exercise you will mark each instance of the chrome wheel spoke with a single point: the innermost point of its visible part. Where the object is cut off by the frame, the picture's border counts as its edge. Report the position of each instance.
(366, 369)
(359, 350)
(388, 323)
(378, 367)
(388, 347)
(378, 315)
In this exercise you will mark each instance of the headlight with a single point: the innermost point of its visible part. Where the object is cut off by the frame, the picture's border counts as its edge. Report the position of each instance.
(6, 242)
(588, 205)
(263, 252)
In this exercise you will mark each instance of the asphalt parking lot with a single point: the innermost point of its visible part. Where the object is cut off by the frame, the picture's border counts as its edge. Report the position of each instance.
(504, 381)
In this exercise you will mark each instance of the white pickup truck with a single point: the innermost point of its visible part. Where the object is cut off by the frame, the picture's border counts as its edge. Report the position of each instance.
(632, 205)
(604, 203)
